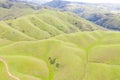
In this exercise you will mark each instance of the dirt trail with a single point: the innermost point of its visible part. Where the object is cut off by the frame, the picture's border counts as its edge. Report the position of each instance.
(7, 69)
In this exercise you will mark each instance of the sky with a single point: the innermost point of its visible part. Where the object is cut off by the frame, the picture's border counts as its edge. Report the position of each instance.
(96, 1)
(88, 1)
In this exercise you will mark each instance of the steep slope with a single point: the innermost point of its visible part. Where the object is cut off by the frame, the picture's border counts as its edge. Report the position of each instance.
(76, 56)
(44, 24)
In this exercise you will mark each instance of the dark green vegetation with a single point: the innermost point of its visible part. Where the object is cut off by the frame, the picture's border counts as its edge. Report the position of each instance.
(106, 15)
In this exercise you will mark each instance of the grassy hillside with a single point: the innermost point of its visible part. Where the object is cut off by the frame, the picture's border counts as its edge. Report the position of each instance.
(44, 24)
(76, 56)
(54, 45)
(14, 12)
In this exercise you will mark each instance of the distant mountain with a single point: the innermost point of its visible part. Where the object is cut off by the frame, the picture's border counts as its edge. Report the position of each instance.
(106, 15)
(35, 2)
(57, 3)
(30, 1)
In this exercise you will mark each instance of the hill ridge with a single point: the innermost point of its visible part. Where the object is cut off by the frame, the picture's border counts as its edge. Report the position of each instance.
(46, 25)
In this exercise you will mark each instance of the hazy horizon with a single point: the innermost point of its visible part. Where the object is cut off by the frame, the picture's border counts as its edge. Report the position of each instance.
(94, 1)
(98, 1)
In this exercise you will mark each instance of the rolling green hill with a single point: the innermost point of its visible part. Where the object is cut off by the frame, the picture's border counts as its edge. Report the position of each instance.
(76, 56)
(14, 12)
(44, 24)
(54, 45)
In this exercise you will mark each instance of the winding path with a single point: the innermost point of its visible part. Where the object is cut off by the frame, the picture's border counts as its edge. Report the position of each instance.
(7, 69)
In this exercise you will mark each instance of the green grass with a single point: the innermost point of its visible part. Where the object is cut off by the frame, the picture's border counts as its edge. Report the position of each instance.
(7, 32)
(75, 56)
(44, 24)
(14, 12)
(44, 46)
